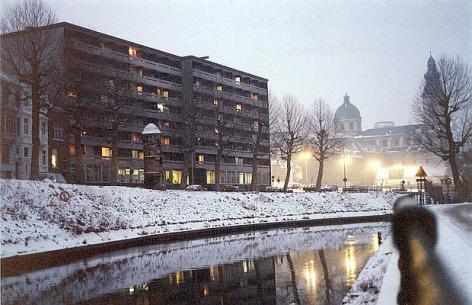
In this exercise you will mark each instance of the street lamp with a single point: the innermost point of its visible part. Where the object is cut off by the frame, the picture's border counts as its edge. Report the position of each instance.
(420, 180)
(375, 166)
(306, 155)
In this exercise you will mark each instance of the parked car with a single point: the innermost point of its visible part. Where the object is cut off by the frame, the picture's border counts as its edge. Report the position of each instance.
(271, 189)
(195, 188)
(230, 188)
(329, 188)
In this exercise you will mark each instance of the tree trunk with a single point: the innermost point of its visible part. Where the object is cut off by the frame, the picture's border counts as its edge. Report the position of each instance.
(287, 175)
(460, 190)
(185, 169)
(79, 157)
(296, 298)
(217, 168)
(324, 265)
(319, 179)
(114, 159)
(36, 142)
(254, 185)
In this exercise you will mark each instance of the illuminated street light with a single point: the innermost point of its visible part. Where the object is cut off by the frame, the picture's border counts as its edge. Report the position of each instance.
(305, 155)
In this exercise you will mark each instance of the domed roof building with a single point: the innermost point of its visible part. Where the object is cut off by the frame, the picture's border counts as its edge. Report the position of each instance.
(348, 118)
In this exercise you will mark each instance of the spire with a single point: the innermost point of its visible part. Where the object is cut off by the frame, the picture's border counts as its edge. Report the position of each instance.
(431, 63)
(346, 98)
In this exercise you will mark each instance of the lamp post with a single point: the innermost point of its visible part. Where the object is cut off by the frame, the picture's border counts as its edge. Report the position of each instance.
(344, 168)
(420, 180)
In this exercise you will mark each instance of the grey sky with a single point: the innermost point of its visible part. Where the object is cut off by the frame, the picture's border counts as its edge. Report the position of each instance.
(376, 51)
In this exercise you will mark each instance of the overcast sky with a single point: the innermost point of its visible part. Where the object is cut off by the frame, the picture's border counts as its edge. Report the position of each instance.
(376, 51)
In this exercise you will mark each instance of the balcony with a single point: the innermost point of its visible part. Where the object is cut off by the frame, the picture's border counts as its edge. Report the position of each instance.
(228, 81)
(230, 96)
(108, 53)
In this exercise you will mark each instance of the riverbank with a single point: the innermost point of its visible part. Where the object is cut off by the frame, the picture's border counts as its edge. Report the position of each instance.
(35, 219)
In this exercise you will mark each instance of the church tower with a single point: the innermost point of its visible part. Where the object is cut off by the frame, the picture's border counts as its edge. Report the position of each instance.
(431, 78)
(348, 118)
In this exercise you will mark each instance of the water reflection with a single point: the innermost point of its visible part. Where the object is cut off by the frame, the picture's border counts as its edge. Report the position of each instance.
(290, 266)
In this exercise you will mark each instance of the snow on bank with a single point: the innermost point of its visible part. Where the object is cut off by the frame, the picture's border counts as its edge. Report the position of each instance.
(34, 219)
(365, 290)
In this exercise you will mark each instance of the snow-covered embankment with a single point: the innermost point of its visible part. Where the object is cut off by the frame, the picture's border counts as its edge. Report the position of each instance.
(34, 218)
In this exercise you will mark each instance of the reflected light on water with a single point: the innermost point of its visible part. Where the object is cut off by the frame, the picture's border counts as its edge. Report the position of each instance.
(310, 275)
(350, 262)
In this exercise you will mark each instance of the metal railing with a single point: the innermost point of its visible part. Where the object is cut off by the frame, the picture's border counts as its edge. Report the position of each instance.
(424, 278)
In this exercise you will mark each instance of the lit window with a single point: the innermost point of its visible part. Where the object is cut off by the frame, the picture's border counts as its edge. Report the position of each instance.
(165, 141)
(141, 155)
(219, 88)
(160, 107)
(210, 177)
(134, 138)
(54, 158)
(216, 102)
(134, 154)
(238, 79)
(72, 149)
(176, 176)
(238, 107)
(167, 176)
(197, 83)
(106, 152)
(165, 93)
(133, 52)
(201, 159)
(256, 125)
(139, 89)
(166, 124)
(71, 93)
(238, 160)
(254, 97)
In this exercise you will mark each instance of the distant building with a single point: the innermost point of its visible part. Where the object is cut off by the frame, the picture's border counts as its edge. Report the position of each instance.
(385, 155)
(16, 125)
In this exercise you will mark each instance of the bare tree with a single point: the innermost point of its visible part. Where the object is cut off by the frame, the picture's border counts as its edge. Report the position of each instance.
(324, 141)
(259, 134)
(223, 132)
(28, 54)
(290, 131)
(443, 109)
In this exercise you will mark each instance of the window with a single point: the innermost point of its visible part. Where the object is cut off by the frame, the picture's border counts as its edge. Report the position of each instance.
(43, 157)
(25, 151)
(165, 141)
(238, 107)
(201, 159)
(134, 138)
(210, 177)
(254, 97)
(165, 93)
(106, 152)
(197, 83)
(43, 128)
(240, 177)
(166, 124)
(111, 83)
(237, 79)
(247, 178)
(141, 156)
(162, 92)
(176, 176)
(25, 126)
(167, 176)
(72, 149)
(71, 93)
(133, 52)
(58, 134)
(256, 125)
(219, 88)
(216, 102)
(139, 89)
(134, 154)
(238, 160)
(54, 158)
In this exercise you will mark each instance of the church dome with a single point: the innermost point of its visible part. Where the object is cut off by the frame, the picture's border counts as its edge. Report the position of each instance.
(347, 110)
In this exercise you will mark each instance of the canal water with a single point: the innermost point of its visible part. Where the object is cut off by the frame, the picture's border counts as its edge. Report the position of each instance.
(314, 265)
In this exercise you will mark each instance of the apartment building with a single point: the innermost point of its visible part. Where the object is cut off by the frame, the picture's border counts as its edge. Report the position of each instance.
(169, 91)
(15, 130)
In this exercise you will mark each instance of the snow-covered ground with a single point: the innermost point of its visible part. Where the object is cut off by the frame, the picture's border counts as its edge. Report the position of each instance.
(34, 219)
(454, 248)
